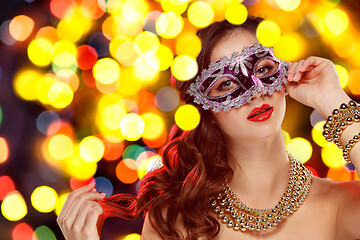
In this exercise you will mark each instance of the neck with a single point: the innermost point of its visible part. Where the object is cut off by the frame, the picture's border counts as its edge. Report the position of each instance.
(261, 170)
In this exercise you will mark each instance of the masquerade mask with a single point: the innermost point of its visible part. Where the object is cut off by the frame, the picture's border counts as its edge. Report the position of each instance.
(232, 82)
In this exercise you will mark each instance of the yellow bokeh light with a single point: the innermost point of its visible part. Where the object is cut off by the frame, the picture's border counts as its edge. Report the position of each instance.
(187, 43)
(200, 14)
(132, 126)
(146, 42)
(344, 44)
(106, 70)
(44, 199)
(112, 115)
(286, 137)
(74, 26)
(125, 53)
(154, 125)
(80, 169)
(187, 117)
(354, 81)
(169, 25)
(236, 13)
(40, 52)
(113, 6)
(147, 66)
(184, 67)
(128, 27)
(288, 5)
(13, 207)
(134, 10)
(343, 75)
(317, 136)
(64, 46)
(130, 85)
(60, 146)
(25, 83)
(133, 236)
(175, 6)
(60, 203)
(336, 20)
(42, 88)
(146, 165)
(69, 77)
(300, 148)
(332, 156)
(91, 149)
(165, 56)
(289, 47)
(64, 60)
(268, 33)
(60, 95)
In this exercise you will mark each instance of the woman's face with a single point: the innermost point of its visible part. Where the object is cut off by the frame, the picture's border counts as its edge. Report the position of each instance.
(236, 123)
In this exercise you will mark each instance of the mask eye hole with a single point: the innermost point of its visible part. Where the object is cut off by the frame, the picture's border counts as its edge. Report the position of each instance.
(223, 86)
(265, 67)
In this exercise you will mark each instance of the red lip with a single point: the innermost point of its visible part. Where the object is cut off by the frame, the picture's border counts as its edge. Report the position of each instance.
(260, 114)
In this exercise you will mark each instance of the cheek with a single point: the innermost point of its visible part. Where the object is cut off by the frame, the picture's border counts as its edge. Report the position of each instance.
(231, 122)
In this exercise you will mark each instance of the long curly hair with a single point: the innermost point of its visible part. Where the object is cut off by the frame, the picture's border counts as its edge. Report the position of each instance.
(195, 162)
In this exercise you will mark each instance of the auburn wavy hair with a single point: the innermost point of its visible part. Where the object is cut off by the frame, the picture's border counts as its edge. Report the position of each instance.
(195, 165)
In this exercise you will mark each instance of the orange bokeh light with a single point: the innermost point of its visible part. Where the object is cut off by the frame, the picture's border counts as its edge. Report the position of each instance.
(126, 171)
(61, 8)
(7, 185)
(21, 27)
(339, 174)
(4, 150)
(49, 33)
(158, 142)
(78, 183)
(65, 129)
(86, 57)
(22, 231)
(91, 9)
(113, 150)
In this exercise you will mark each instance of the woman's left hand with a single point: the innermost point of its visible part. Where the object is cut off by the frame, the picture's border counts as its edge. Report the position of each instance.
(313, 81)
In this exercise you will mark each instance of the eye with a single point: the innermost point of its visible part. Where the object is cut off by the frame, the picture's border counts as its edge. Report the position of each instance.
(264, 70)
(226, 85)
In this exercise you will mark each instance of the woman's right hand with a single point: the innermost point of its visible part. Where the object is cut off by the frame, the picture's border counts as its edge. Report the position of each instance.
(79, 215)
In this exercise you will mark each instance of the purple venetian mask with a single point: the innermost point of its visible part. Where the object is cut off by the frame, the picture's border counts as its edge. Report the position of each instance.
(232, 82)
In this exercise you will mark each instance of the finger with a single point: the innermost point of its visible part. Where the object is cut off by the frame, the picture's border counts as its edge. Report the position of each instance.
(291, 70)
(310, 61)
(80, 219)
(71, 198)
(92, 217)
(297, 75)
(74, 210)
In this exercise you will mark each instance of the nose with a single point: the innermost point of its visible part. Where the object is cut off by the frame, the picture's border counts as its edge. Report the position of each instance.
(257, 96)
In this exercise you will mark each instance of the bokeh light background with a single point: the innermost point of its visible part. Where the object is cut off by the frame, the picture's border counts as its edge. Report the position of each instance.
(84, 93)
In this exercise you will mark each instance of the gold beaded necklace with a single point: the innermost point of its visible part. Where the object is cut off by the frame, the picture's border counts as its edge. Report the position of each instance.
(235, 214)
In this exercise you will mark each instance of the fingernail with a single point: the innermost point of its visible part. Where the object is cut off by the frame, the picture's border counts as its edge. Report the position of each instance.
(294, 77)
(91, 184)
(104, 194)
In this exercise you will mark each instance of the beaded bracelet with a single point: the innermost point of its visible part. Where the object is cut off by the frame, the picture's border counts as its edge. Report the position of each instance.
(348, 147)
(338, 121)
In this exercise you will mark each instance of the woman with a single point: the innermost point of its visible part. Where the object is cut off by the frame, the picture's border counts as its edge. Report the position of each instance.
(237, 152)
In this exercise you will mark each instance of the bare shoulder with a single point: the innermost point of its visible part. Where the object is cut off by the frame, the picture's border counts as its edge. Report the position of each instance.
(325, 187)
(149, 233)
